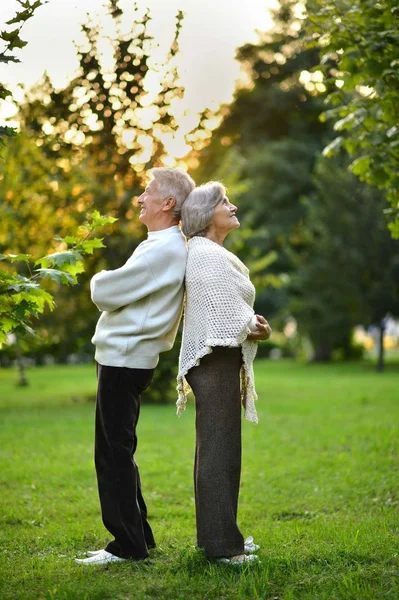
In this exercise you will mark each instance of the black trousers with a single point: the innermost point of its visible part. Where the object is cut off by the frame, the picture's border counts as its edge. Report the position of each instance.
(124, 512)
(217, 469)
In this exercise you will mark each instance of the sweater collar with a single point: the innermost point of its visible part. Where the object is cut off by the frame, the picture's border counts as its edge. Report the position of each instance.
(163, 233)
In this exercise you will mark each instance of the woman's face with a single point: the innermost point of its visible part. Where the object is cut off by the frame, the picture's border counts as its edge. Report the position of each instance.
(224, 218)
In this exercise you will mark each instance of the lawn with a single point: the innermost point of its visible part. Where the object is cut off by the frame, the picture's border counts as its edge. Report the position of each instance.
(319, 491)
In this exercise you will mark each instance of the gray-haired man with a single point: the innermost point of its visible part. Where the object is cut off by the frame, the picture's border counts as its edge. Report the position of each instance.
(141, 304)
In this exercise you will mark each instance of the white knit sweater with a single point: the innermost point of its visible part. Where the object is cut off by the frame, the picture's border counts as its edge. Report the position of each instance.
(218, 311)
(141, 302)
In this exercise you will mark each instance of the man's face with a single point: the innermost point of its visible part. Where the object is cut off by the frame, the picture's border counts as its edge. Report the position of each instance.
(151, 204)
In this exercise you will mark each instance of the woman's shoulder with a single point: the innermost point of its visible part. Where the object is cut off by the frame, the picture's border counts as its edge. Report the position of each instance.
(203, 245)
(206, 260)
(205, 251)
(201, 249)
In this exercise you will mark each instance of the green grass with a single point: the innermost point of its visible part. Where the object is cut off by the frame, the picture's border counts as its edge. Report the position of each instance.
(319, 491)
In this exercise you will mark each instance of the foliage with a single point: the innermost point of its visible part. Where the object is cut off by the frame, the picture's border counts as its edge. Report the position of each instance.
(22, 297)
(113, 119)
(91, 145)
(348, 270)
(105, 130)
(12, 42)
(265, 150)
(306, 219)
(359, 43)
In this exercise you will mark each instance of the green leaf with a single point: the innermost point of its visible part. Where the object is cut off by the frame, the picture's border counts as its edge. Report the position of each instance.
(69, 239)
(75, 269)
(23, 307)
(7, 324)
(394, 229)
(43, 299)
(22, 286)
(89, 246)
(333, 147)
(345, 123)
(95, 219)
(361, 165)
(22, 16)
(16, 257)
(7, 131)
(59, 259)
(17, 43)
(7, 59)
(36, 4)
(8, 36)
(55, 275)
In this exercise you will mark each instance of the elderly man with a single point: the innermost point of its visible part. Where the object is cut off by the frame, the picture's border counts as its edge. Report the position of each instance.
(141, 304)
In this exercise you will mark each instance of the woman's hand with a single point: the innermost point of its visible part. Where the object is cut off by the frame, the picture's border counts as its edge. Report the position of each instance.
(263, 332)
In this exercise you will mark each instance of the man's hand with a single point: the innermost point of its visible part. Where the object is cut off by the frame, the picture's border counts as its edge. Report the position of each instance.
(264, 330)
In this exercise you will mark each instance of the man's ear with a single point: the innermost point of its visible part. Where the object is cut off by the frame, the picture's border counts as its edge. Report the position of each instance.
(169, 203)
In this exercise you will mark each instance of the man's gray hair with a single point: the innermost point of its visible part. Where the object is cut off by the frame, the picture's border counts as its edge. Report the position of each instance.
(199, 208)
(174, 183)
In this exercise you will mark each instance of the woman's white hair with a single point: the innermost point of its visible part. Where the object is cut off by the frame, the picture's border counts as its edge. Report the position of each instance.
(174, 183)
(199, 208)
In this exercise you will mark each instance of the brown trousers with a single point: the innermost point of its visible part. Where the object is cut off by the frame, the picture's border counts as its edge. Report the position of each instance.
(217, 469)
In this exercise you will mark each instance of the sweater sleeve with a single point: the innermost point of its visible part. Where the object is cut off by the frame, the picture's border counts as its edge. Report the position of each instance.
(111, 290)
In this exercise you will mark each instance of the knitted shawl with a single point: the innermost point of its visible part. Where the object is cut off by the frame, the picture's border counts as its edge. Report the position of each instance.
(217, 311)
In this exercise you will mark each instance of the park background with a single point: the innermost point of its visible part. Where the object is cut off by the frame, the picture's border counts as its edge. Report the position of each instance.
(302, 129)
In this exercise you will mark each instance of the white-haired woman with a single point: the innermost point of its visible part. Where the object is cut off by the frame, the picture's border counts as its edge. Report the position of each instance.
(218, 348)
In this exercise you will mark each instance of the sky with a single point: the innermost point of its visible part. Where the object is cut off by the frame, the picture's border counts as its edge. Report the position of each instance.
(212, 31)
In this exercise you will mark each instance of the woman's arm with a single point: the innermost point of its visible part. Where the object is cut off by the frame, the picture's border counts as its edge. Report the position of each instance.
(263, 332)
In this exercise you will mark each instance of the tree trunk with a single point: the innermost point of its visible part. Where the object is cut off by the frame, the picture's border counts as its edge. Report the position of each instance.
(322, 353)
(380, 363)
(23, 380)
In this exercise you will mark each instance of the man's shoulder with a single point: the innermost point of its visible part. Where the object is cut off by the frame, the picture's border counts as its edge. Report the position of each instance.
(166, 252)
(173, 244)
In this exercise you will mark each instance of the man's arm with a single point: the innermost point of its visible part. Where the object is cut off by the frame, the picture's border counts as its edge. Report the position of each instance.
(111, 290)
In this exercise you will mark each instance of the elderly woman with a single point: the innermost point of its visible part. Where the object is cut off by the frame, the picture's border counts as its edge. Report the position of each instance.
(218, 348)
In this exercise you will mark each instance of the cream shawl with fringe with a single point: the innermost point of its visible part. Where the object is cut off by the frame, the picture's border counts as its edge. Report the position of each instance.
(217, 311)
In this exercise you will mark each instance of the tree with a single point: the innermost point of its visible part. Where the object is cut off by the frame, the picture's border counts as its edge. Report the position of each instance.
(103, 132)
(265, 150)
(359, 54)
(22, 295)
(12, 42)
(348, 270)
(115, 120)
(298, 212)
(112, 122)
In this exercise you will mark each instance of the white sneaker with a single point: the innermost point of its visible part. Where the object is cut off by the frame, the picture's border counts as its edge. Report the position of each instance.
(93, 552)
(102, 557)
(240, 560)
(250, 546)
